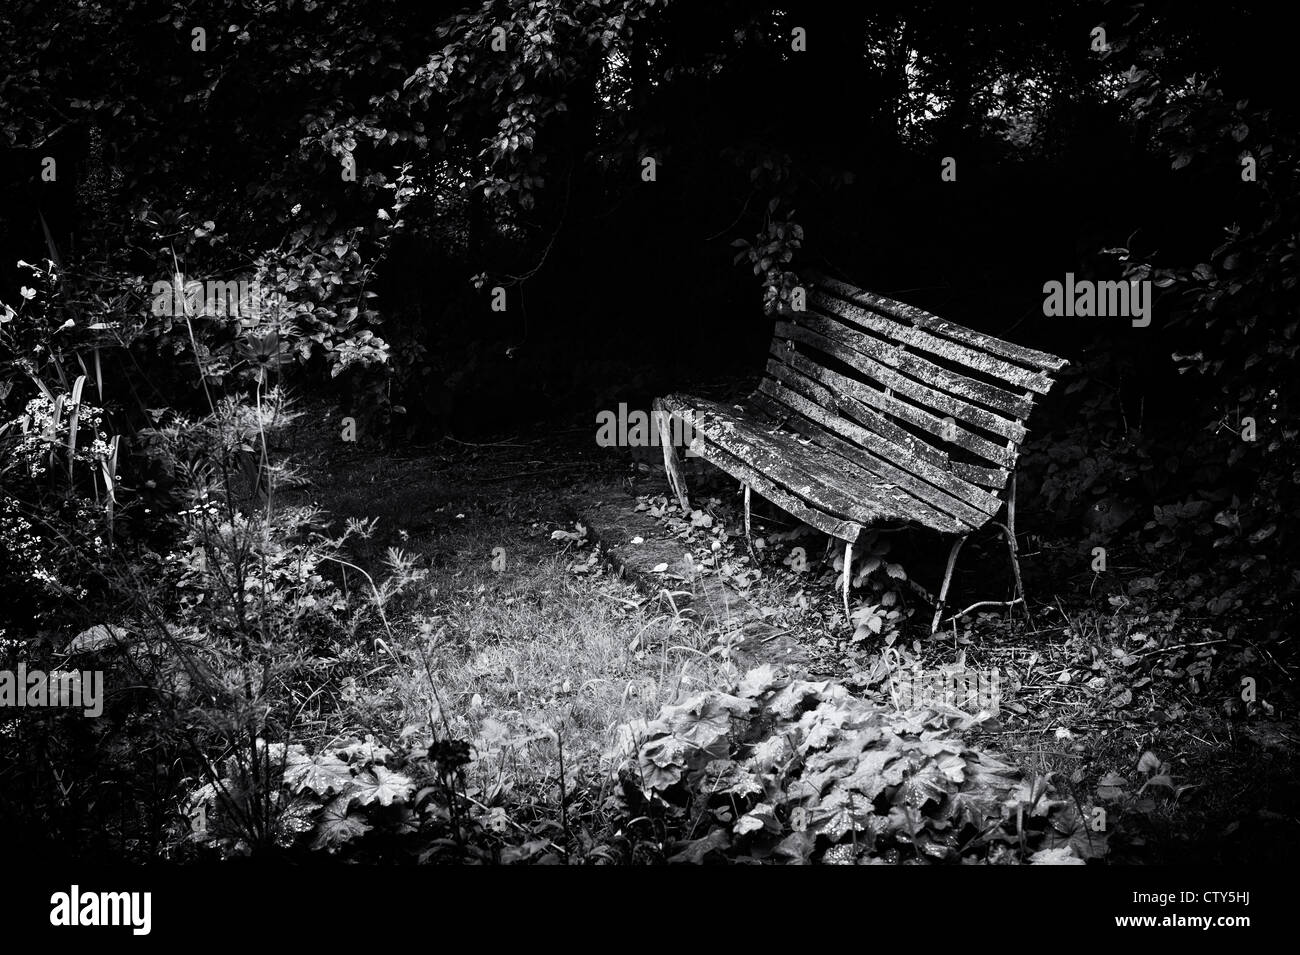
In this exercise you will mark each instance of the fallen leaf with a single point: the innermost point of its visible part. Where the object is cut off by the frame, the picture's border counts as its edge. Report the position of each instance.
(1059, 856)
(1149, 762)
(1161, 780)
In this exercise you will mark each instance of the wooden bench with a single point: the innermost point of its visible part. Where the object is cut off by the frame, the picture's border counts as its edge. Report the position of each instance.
(873, 413)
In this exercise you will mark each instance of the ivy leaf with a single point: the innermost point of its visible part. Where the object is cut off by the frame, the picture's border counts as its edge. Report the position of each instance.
(693, 852)
(1111, 787)
(869, 778)
(383, 786)
(323, 773)
(757, 681)
(662, 761)
(1061, 855)
(840, 812)
(337, 826)
(1161, 780)
(761, 817)
(797, 847)
(769, 753)
(706, 718)
(729, 777)
(924, 786)
(792, 697)
(953, 767)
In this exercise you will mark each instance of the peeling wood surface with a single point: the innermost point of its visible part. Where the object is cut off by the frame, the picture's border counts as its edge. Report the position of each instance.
(910, 509)
(923, 341)
(807, 471)
(967, 503)
(1029, 357)
(902, 386)
(897, 357)
(800, 367)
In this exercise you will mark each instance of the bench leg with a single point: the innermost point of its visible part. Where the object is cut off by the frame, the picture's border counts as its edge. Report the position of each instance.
(947, 579)
(1010, 535)
(671, 465)
(749, 540)
(1010, 530)
(848, 575)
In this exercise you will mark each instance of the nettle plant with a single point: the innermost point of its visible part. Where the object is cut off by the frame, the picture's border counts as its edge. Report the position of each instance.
(784, 770)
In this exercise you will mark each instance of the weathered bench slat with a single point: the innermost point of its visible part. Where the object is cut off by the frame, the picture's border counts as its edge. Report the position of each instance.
(866, 470)
(989, 364)
(897, 356)
(791, 366)
(995, 479)
(998, 454)
(800, 373)
(843, 530)
(933, 323)
(938, 488)
(942, 490)
(910, 509)
(902, 385)
(807, 470)
(777, 454)
(802, 472)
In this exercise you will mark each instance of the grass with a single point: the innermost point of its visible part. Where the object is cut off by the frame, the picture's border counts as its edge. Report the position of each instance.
(536, 664)
(542, 659)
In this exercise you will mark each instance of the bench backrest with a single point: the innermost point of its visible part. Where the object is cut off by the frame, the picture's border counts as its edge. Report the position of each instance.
(945, 403)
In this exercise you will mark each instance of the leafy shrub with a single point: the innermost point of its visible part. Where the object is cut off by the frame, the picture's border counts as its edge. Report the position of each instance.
(882, 612)
(1214, 513)
(787, 770)
(57, 469)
